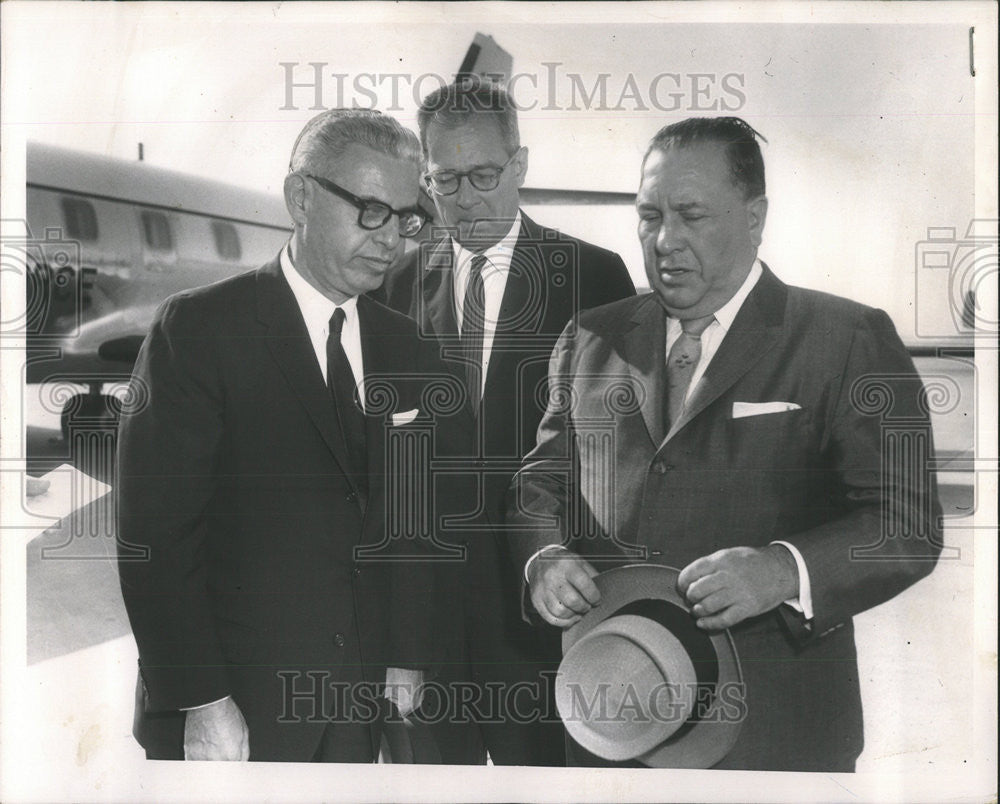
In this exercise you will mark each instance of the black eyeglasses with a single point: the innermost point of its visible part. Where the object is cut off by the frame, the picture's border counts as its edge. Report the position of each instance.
(374, 214)
(484, 178)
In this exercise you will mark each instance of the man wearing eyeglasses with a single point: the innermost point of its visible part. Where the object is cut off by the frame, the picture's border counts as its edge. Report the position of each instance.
(495, 293)
(254, 464)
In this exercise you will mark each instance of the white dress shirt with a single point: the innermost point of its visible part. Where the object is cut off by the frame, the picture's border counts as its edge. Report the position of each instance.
(316, 311)
(711, 337)
(495, 271)
(711, 340)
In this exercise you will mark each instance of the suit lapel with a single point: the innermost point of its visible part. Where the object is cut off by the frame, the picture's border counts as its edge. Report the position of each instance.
(289, 344)
(525, 278)
(526, 272)
(644, 344)
(437, 294)
(377, 357)
(436, 283)
(754, 332)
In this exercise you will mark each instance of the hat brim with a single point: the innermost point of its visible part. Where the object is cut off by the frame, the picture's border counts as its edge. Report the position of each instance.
(706, 739)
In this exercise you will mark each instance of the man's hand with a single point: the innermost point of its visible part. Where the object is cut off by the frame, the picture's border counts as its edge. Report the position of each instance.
(217, 731)
(404, 688)
(731, 585)
(561, 586)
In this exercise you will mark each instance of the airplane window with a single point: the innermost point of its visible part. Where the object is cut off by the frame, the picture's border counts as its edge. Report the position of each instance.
(81, 220)
(227, 240)
(156, 228)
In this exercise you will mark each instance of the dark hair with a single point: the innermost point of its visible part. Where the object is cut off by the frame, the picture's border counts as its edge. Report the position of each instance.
(456, 104)
(746, 165)
(325, 138)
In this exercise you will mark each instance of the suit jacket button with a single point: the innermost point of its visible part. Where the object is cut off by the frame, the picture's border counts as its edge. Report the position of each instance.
(659, 467)
(356, 572)
(338, 640)
(351, 496)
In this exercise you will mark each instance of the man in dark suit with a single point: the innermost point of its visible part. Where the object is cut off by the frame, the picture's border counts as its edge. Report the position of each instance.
(255, 461)
(769, 441)
(495, 292)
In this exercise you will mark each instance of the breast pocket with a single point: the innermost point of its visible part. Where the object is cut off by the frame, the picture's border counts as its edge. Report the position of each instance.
(777, 441)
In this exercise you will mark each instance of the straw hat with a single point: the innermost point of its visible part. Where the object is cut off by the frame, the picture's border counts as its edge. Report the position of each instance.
(639, 680)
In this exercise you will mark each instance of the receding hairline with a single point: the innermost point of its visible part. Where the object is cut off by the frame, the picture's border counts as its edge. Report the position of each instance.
(333, 163)
(455, 105)
(663, 148)
(328, 136)
(667, 147)
(477, 120)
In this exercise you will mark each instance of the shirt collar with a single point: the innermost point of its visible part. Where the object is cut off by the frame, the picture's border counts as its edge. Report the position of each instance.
(726, 314)
(499, 254)
(314, 305)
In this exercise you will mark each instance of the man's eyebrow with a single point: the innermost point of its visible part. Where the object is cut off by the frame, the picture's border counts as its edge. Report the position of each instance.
(682, 206)
(370, 199)
(484, 166)
(685, 206)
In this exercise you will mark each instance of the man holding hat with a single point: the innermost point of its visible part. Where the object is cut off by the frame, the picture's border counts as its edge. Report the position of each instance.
(770, 442)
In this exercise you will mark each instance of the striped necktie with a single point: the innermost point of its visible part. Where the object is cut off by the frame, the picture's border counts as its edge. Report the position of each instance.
(681, 364)
(473, 320)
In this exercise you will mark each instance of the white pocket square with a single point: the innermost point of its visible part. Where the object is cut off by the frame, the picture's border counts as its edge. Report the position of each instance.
(743, 409)
(405, 417)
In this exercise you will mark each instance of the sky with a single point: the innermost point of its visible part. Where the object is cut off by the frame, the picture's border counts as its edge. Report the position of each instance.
(870, 126)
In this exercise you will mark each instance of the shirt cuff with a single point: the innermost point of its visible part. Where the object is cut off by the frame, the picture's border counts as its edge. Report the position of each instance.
(803, 603)
(202, 706)
(535, 555)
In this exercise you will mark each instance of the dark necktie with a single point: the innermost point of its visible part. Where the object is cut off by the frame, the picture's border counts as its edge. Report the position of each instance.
(473, 320)
(681, 363)
(343, 389)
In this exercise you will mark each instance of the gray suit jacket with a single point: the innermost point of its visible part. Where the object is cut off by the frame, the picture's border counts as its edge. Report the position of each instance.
(844, 477)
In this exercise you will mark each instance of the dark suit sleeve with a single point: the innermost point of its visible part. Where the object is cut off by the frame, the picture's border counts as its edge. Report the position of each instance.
(168, 452)
(397, 292)
(541, 491)
(422, 605)
(605, 280)
(879, 443)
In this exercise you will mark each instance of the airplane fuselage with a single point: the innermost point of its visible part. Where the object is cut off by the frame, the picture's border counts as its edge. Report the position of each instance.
(107, 241)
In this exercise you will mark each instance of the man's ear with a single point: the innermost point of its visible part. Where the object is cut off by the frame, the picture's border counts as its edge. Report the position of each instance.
(756, 217)
(295, 197)
(521, 165)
